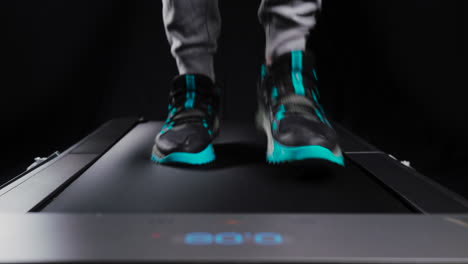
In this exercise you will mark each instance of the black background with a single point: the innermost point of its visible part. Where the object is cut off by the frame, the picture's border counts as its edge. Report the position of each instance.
(393, 71)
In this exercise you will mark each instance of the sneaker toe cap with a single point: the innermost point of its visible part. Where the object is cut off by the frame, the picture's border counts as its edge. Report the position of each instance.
(191, 139)
(306, 133)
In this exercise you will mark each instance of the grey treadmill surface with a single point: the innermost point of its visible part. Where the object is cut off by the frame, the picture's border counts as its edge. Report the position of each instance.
(124, 180)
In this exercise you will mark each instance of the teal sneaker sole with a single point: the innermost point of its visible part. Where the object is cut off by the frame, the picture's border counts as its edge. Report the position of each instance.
(278, 153)
(203, 157)
(281, 154)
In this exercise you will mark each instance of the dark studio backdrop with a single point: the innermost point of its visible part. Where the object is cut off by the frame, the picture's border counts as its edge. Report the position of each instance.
(394, 72)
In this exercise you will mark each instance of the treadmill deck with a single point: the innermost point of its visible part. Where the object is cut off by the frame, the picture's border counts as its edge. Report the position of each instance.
(124, 180)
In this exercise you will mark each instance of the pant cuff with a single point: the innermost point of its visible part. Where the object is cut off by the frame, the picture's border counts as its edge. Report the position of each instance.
(197, 63)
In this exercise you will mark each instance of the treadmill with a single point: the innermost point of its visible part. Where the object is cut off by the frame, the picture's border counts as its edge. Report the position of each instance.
(103, 201)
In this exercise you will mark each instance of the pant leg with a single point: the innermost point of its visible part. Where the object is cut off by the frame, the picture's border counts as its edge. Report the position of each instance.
(287, 24)
(192, 29)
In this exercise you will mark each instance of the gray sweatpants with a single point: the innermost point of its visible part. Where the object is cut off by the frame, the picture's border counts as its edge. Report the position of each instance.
(193, 26)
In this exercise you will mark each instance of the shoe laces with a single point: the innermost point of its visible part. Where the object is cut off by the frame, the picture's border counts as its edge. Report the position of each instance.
(297, 104)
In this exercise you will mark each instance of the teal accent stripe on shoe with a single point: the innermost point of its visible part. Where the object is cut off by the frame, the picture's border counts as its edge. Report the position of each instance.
(317, 112)
(280, 113)
(283, 153)
(190, 94)
(263, 71)
(315, 74)
(296, 72)
(205, 156)
(314, 97)
(274, 93)
(210, 110)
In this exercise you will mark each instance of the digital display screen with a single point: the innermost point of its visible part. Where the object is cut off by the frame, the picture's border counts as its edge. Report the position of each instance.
(233, 238)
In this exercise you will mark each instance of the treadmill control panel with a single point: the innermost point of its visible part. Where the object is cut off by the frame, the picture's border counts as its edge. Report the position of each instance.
(233, 238)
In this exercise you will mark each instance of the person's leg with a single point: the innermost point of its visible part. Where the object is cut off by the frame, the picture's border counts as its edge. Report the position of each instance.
(287, 24)
(192, 29)
(289, 110)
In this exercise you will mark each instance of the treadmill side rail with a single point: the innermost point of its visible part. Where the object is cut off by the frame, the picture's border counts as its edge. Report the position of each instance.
(30, 190)
(417, 191)
(28, 194)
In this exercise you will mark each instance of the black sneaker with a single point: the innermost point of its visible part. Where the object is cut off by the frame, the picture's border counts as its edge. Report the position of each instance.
(290, 114)
(192, 122)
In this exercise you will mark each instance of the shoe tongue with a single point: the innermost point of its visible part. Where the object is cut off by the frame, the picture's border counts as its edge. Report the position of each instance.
(197, 82)
(293, 61)
(193, 91)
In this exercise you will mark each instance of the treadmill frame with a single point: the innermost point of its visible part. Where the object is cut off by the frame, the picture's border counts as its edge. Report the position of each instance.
(32, 190)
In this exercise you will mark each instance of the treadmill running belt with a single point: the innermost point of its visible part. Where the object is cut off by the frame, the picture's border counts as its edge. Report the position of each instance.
(124, 180)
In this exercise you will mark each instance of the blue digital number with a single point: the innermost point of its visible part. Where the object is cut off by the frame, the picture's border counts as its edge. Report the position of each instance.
(229, 238)
(198, 238)
(233, 238)
(268, 239)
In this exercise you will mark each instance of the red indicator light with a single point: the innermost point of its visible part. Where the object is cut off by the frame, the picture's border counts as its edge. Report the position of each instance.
(232, 222)
(155, 235)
